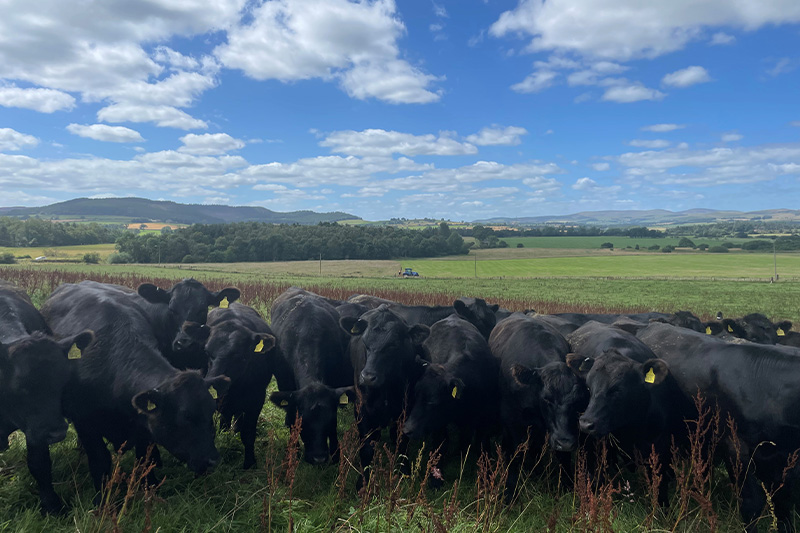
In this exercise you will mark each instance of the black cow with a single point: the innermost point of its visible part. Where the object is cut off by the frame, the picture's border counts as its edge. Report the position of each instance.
(34, 369)
(124, 390)
(594, 338)
(383, 354)
(457, 386)
(242, 347)
(314, 346)
(757, 386)
(538, 393)
(754, 327)
(684, 319)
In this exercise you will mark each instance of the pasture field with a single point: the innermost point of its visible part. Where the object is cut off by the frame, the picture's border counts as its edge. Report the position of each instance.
(61, 252)
(595, 242)
(274, 497)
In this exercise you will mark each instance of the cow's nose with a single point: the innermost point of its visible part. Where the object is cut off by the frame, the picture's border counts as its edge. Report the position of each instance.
(562, 444)
(368, 378)
(587, 426)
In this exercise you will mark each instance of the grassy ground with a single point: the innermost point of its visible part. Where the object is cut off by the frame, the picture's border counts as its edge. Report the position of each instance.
(60, 252)
(270, 498)
(595, 242)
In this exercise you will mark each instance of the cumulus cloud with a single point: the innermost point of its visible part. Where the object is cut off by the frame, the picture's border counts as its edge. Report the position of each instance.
(663, 128)
(12, 140)
(686, 77)
(629, 93)
(584, 184)
(629, 29)
(209, 144)
(102, 132)
(722, 38)
(42, 100)
(377, 142)
(535, 82)
(731, 137)
(353, 42)
(498, 136)
(165, 116)
(649, 143)
(601, 167)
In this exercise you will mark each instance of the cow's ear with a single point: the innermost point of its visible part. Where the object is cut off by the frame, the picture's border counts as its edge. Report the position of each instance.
(353, 325)
(153, 294)
(579, 364)
(494, 308)
(148, 402)
(218, 386)
(262, 343)
(462, 309)
(345, 395)
(456, 388)
(74, 346)
(654, 371)
(783, 327)
(418, 333)
(714, 328)
(525, 376)
(734, 327)
(198, 332)
(230, 294)
(283, 399)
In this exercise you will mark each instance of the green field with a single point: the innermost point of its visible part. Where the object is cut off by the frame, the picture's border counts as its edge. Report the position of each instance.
(595, 242)
(61, 252)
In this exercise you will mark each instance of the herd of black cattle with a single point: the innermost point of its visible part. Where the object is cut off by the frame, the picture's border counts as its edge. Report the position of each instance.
(152, 366)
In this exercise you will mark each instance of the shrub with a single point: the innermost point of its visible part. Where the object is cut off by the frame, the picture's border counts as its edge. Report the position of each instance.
(718, 250)
(91, 258)
(702, 246)
(607, 245)
(654, 247)
(120, 258)
(668, 249)
(7, 258)
(728, 245)
(686, 242)
(520, 245)
(636, 247)
(188, 258)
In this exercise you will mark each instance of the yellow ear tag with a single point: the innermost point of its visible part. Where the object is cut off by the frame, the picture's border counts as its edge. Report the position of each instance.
(343, 399)
(455, 392)
(151, 406)
(354, 330)
(259, 346)
(284, 403)
(708, 330)
(730, 329)
(74, 352)
(224, 303)
(213, 392)
(650, 377)
(781, 333)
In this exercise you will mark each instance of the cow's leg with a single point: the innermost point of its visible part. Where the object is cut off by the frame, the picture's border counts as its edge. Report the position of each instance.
(41, 468)
(513, 436)
(247, 433)
(753, 501)
(98, 456)
(369, 435)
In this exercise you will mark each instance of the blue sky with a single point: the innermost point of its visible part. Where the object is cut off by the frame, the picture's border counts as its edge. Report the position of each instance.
(461, 109)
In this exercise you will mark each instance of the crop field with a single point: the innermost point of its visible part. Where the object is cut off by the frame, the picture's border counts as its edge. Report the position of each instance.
(280, 495)
(61, 252)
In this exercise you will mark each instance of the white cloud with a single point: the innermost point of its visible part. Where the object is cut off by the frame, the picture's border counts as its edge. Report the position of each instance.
(781, 66)
(439, 10)
(535, 82)
(731, 137)
(209, 144)
(584, 184)
(377, 142)
(663, 128)
(795, 123)
(102, 132)
(165, 116)
(12, 140)
(601, 167)
(629, 29)
(649, 143)
(498, 136)
(42, 100)
(686, 77)
(626, 94)
(721, 38)
(290, 40)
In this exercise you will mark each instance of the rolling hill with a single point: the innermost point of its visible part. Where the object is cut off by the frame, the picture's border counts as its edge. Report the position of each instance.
(653, 217)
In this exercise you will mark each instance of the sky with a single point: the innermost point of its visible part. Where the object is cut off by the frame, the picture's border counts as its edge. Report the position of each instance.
(455, 109)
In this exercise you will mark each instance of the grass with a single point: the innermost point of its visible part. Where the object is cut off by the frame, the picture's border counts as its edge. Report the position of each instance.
(61, 252)
(314, 499)
(595, 242)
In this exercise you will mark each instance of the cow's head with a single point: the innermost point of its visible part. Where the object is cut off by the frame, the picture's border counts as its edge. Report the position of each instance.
(179, 414)
(620, 390)
(317, 405)
(188, 300)
(234, 350)
(390, 344)
(33, 374)
(189, 346)
(754, 327)
(554, 395)
(478, 312)
(436, 395)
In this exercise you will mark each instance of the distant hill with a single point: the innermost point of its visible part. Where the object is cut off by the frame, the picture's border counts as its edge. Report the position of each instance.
(142, 208)
(653, 217)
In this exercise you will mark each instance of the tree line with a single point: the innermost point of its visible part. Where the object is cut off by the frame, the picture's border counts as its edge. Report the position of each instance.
(15, 232)
(258, 241)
